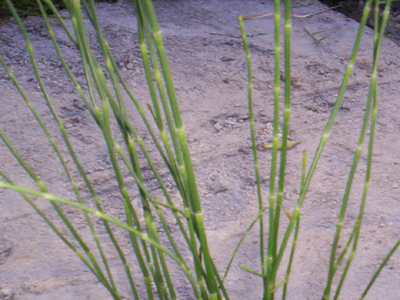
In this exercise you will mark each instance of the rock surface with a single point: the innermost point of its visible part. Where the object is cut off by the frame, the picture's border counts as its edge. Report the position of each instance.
(203, 42)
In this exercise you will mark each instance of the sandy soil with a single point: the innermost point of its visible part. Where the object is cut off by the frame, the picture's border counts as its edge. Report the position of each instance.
(208, 64)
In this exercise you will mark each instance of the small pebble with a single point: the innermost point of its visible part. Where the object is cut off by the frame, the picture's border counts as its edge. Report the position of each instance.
(227, 59)
(6, 294)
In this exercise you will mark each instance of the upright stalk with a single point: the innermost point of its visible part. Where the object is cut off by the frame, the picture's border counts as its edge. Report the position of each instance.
(285, 134)
(272, 247)
(327, 130)
(296, 233)
(380, 30)
(253, 135)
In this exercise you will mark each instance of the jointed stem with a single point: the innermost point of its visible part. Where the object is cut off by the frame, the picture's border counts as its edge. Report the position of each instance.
(272, 247)
(253, 135)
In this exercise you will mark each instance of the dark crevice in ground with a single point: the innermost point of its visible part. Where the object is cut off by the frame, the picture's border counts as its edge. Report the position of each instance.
(353, 9)
(350, 8)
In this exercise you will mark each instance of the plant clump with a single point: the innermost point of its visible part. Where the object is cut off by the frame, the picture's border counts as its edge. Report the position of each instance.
(166, 230)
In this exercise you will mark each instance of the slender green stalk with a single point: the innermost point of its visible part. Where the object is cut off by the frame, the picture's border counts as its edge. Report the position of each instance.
(285, 136)
(143, 26)
(82, 172)
(181, 226)
(103, 120)
(345, 251)
(111, 65)
(275, 146)
(63, 24)
(346, 197)
(147, 68)
(296, 233)
(235, 251)
(43, 188)
(131, 214)
(171, 169)
(53, 227)
(64, 201)
(121, 117)
(327, 130)
(161, 215)
(150, 222)
(253, 135)
(60, 125)
(146, 12)
(78, 164)
(368, 175)
(104, 93)
(158, 36)
(376, 36)
(379, 270)
(52, 142)
(286, 113)
(190, 178)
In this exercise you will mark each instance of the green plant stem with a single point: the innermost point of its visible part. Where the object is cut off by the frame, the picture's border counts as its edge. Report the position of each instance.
(42, 186)
(197, 217)
(380, 268)
(104, 91)
(376, 36)
(55, 11)
(169, 164)
(90, 187)
(296, 232)
(64, 201)
(285, 134)
(60, 124)
(368, 176)
(103, 122)
(53, 227)
(240, 243)
(326, 132)
(121, 117)
(272, 247)
(253, 135)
